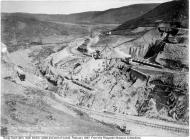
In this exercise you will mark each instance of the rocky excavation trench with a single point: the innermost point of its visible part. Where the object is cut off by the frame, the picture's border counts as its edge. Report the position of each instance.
(115, 86)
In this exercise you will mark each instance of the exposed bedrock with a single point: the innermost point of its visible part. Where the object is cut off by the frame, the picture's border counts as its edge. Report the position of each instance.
(120, 89)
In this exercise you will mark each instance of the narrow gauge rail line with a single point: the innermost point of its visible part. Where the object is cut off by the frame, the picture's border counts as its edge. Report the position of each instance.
(138, 120)
(135, 119)
(181, 129)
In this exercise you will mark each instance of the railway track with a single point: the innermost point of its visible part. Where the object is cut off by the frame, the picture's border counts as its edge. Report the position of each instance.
(139, 121)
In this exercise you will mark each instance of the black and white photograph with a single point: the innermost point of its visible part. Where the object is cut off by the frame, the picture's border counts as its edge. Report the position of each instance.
(97, 69)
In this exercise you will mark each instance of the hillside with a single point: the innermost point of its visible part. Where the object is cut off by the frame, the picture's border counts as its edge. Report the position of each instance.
(120, 15)
(22, 29)
(84, 17)
(169, 11)
(110, 16)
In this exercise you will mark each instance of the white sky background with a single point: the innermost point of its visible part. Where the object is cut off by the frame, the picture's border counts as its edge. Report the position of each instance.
(67, 6)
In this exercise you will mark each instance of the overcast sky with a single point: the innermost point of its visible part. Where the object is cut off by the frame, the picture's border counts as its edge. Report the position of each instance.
(67, 6)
